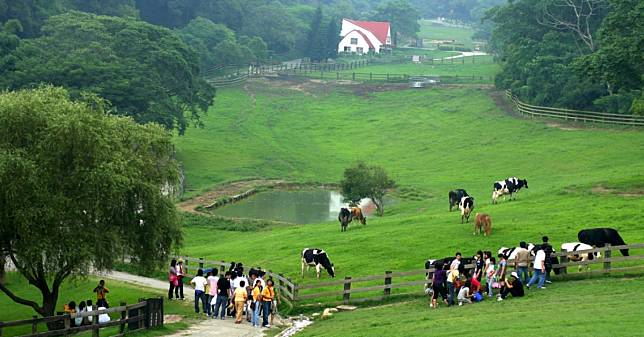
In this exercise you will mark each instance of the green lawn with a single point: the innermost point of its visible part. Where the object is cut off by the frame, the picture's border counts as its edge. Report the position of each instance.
(433, 31)
(430, 141)
(81, 290)
(598, 307)
(481, 66)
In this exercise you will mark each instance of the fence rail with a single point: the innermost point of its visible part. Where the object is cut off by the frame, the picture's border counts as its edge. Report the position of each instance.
(574, 115)
(146, 314)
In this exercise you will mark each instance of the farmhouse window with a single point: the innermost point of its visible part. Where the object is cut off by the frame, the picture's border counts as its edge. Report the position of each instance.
(347, 49)
(359, 50)
(354, 40)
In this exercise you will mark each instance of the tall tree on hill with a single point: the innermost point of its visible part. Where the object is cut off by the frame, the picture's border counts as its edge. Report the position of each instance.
(402, 16)
(80, 188)
(332, 37)
(363, 181)
(316, 37)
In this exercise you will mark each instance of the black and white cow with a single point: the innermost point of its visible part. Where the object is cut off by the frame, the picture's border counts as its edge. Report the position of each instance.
(509, 186)
(455, 197)
(511, 253)
(573, 247)
(599, 237)
(318, 258)
(345, 218)
(466, 206)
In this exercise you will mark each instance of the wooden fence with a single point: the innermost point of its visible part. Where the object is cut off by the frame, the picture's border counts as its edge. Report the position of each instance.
(146, 314)
(574, 115)
(389, 77)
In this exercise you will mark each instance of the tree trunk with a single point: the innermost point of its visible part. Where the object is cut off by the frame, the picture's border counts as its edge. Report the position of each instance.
(380, 209)
(3, 261)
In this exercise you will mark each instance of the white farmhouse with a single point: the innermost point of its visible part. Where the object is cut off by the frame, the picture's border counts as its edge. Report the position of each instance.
(363, 36)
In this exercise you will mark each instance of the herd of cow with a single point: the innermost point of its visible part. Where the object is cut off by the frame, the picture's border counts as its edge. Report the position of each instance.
(588, 238)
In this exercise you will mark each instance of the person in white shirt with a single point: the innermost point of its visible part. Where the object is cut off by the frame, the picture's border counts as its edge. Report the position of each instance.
(464, 295)
(103, 318)
(88, 308)
(539, 269)
(199, 283)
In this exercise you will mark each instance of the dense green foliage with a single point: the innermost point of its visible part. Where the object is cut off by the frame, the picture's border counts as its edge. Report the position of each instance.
(548, 60)
(145, 71)
(402, 16)
(365, 181)
(80, 188)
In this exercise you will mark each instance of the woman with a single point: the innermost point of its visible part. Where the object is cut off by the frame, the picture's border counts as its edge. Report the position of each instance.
(268, 294)
(81, 309)
(490, 273)
(172, 278)
(438, 285)
(199, 283)
(239, 298)
(256, 304)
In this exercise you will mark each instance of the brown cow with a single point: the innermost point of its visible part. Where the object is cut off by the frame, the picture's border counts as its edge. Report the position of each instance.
(356, 213)
(483, 222)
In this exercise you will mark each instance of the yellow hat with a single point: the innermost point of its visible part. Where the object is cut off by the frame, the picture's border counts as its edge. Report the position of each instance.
(180, 260)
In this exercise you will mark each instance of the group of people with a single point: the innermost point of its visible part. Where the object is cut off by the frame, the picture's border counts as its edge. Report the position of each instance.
(454, 286)
(234, 294)
(87, 306)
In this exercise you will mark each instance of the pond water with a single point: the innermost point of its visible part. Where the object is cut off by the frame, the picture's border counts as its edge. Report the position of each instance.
(299, 206)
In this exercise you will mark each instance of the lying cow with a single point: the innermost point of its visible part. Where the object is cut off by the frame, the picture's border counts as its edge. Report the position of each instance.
(348, 214)
(509, 186)
(455, 197)
(319, 259)
(466, 206)
(483, 223)
(572, 247)
(599, 237)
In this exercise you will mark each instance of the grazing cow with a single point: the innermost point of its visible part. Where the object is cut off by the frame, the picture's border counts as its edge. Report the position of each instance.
(483, 223)
(599, 237)
(509, 186)
(455, 197)
(319, 259)
(348, 214)
(572, 247)
(466, 205)
(511, 253)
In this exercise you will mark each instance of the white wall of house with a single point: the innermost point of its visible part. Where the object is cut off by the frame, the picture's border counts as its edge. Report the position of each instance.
(360, 45)
(347, 27)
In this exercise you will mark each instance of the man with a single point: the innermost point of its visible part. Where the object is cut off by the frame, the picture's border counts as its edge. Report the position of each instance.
(268, 295)
(223, 291)
(100, 291)
(239, 298)
(547, 248)
(181, 273)
(522, 262)
(512, 286)
(479, 264)
(539, 269)
(452, 276)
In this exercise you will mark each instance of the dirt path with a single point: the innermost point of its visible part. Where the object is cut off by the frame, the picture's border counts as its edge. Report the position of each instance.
(205, 327)
(229, 189)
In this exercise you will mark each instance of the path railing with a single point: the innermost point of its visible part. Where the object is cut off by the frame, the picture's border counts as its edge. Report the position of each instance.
(574, 115)
(146, 314)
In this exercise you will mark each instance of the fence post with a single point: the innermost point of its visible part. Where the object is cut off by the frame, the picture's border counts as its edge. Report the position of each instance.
(337, 76)
(370, 76)
(34, 325)
(353, 76)
(564, 259)
(201, 263)
(281, 283)
(347, 288)
(387, 77)
(123, 315)
(607, 255)
(67, 322)
(387, 282)
(160, 302)
(222, 267)
(295, 292)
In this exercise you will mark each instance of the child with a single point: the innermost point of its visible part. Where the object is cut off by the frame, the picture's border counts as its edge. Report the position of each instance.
(489, 280)
(465, 295)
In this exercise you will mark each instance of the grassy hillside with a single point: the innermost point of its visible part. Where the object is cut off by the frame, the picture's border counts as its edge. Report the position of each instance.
(430, 141)
(433, 31)
(583, 308)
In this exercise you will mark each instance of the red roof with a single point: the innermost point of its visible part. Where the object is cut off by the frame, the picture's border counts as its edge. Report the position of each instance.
(379, 29)
(364, 36)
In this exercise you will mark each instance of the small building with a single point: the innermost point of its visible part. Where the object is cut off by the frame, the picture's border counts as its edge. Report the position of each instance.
(361, 37)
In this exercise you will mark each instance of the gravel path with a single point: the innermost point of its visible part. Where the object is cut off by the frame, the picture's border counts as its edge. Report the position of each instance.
(203, 328)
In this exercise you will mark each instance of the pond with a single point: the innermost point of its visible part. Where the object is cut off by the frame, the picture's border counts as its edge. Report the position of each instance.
(295, 206)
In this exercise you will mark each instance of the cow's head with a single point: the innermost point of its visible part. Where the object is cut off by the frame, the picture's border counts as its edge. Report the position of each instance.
(331, 270)
(524, 182)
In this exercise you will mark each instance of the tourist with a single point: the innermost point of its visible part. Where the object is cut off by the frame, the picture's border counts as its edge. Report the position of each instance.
(452, 277)
(199, 283)
(223, 292)
(476, 285)
(89, 307)
(79, 320)
(512, 285)
(522, 261)
(181, 273)
(239, 298)
(101, 291)
(489, 278)
(465, 295)
(478, 265)
(172, 278)
(212, 291)
(539, 270)
(104, 317)
(256, 302)
(503, 263)
(70, 308)
(548, 251)
(268, 294)
(438, 285)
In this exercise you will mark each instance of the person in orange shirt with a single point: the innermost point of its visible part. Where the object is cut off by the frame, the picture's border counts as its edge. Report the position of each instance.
(267, 300)
(100, 291)
(256, 305)
(239, 297)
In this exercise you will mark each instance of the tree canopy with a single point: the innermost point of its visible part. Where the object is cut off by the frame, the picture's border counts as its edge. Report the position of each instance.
(145, 71)
(364, 181)
(80, 188)
(402, 16)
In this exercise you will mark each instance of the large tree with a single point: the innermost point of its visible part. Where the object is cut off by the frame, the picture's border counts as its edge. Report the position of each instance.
(145, 71)
(364, 181)
(402, 16)
(79, 189)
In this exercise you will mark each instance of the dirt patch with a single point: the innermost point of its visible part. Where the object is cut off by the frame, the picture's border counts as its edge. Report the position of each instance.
(229, 189)
(638, 192)
(167, 319)
(368, 89)
(561, 126)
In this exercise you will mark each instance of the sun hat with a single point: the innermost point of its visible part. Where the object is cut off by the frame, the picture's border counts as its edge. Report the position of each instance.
(514, 273)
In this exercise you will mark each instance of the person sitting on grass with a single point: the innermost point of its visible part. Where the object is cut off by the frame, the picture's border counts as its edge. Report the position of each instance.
(512, 285)
(465, 295)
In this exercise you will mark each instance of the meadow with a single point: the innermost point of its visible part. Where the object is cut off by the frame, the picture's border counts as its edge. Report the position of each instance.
(434, 31)
(430, 141)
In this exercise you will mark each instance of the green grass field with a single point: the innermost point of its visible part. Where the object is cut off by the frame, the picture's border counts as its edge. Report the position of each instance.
(81, 290)
(433, 31)
(481, 66)
(430, 141)
(602, 307)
